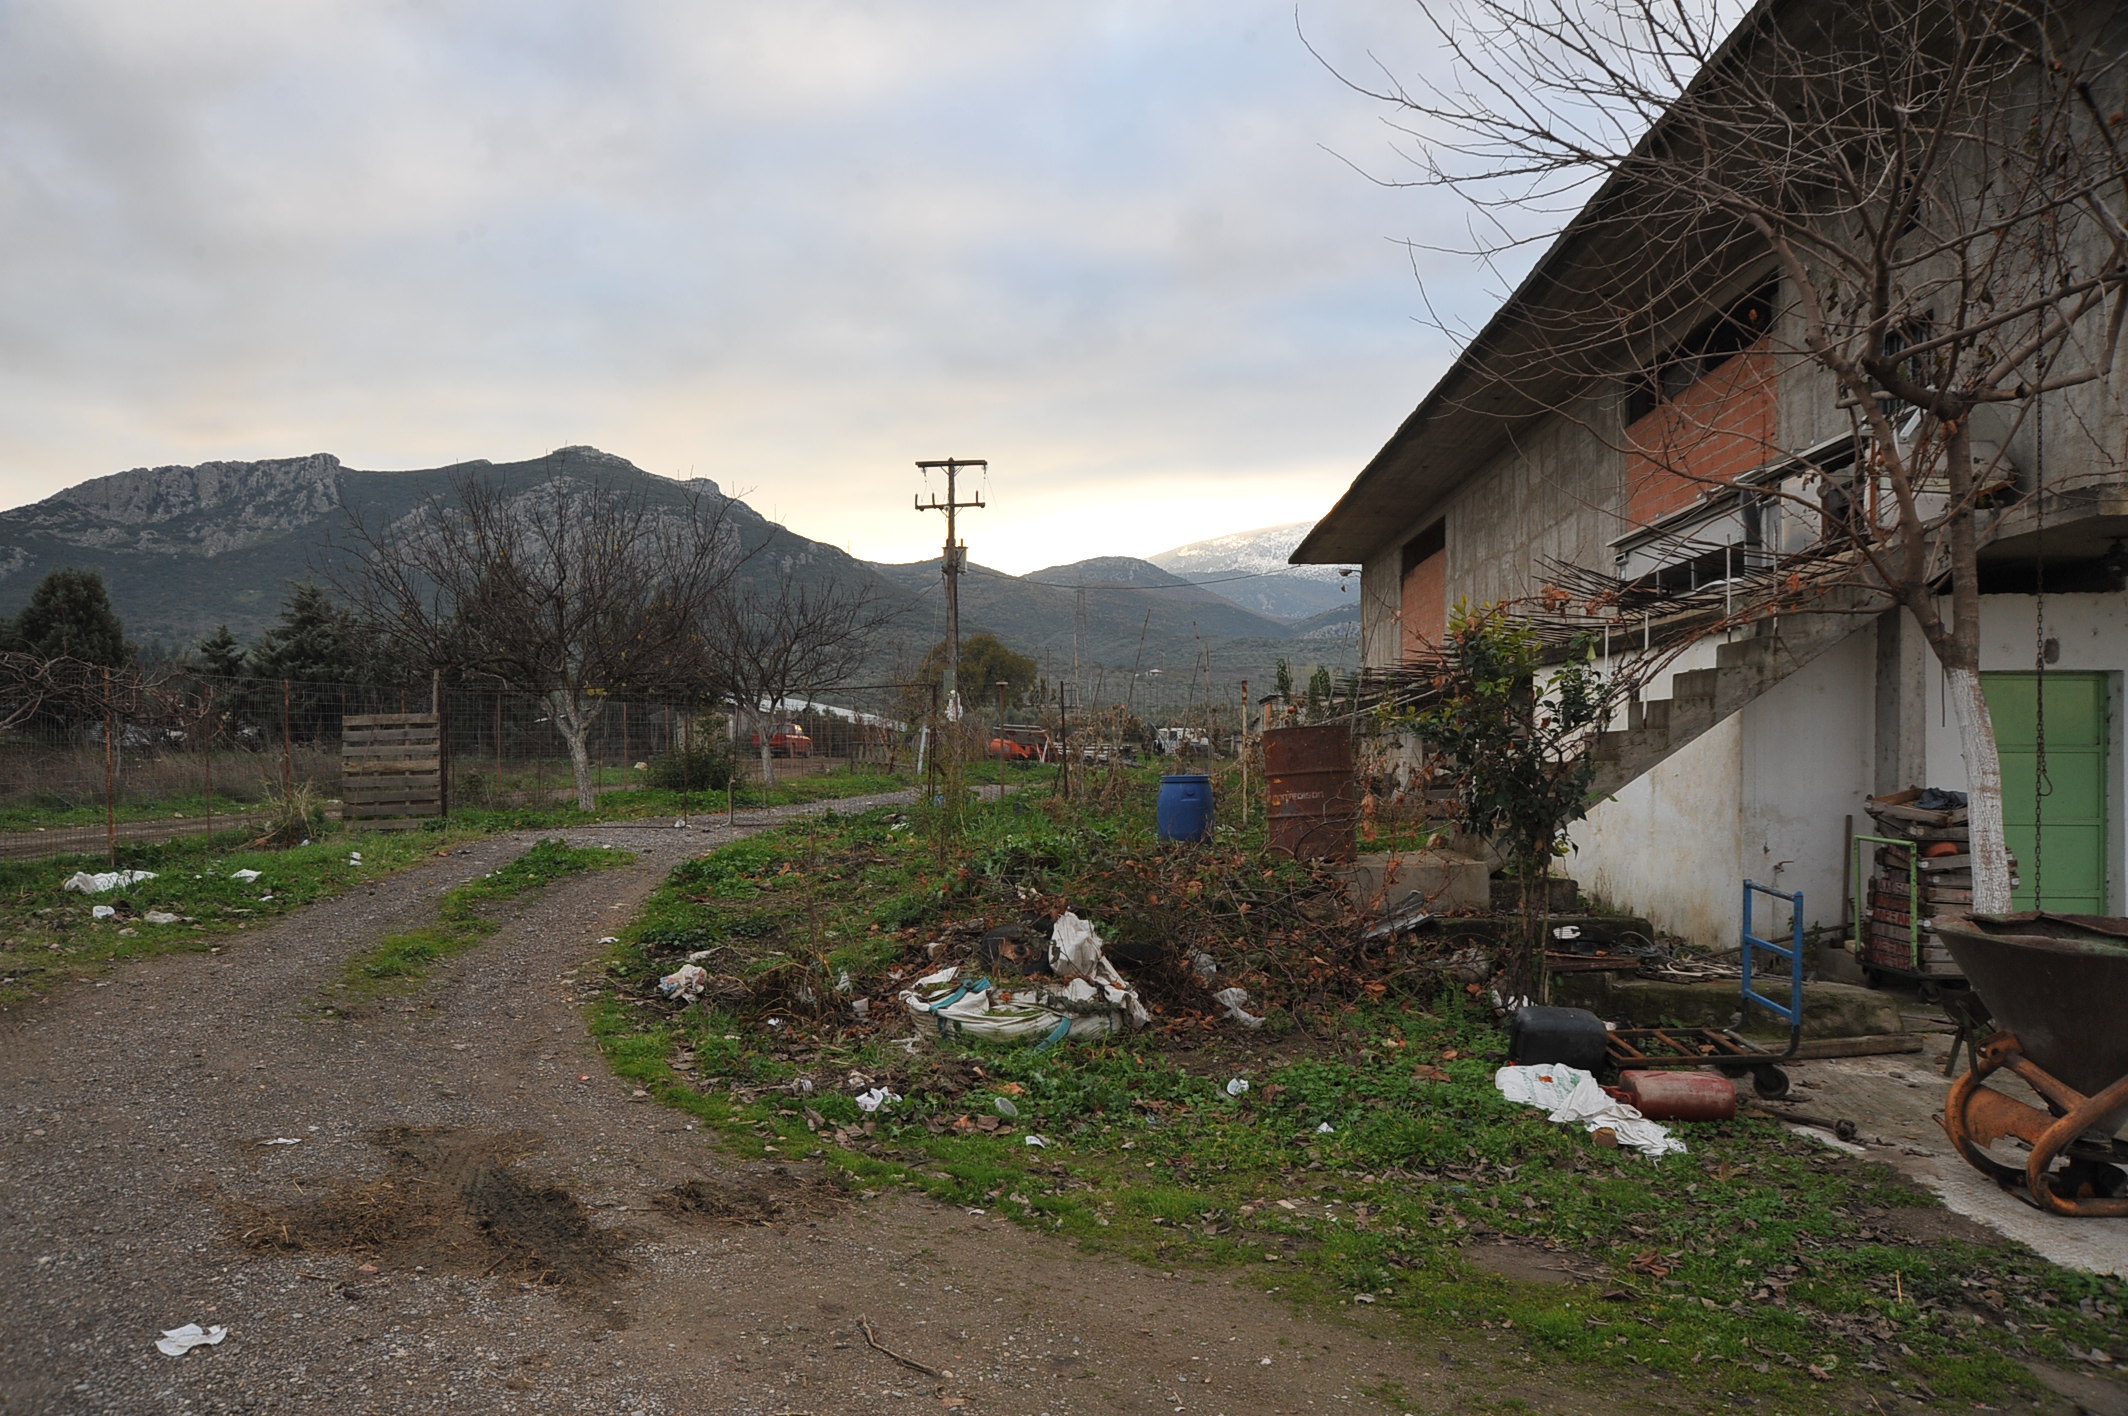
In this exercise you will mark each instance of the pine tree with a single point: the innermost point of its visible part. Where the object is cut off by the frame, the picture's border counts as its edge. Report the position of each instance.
(69, 615)
(220, 653)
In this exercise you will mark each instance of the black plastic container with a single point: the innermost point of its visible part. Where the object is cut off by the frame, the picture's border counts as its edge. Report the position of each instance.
(1566, 1037)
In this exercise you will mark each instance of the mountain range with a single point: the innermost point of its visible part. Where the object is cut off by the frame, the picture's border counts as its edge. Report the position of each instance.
(184, 549)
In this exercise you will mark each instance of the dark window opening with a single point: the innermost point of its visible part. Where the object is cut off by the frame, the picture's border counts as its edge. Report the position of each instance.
(1432, 541)
(1706, 349)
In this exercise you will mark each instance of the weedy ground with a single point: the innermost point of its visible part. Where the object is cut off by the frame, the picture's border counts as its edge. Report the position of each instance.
(400, 962)
(1370, 1160)
(49, 935)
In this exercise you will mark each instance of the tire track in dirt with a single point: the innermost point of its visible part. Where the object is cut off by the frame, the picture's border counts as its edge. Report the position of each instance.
(541, 1239)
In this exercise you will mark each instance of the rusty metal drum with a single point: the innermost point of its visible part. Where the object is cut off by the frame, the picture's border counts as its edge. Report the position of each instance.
(1313, 804)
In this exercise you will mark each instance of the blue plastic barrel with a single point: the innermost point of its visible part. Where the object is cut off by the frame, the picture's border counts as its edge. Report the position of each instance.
(1185, 807)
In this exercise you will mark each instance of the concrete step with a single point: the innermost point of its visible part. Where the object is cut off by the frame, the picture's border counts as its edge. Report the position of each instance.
(1381, 883)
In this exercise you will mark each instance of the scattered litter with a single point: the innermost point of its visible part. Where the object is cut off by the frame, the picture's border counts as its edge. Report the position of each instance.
(354, 857)
(84, 883)
(1005, 1108)
(1237, 1086)
(1570, 1094)
(159, 917)
(101, 912)
(877, 1099)
(1325, 1129)
(615, 939)
(1093, 998)
(861, 1008)
(1232, 999)
(1411, 916)
(247, 876)
(679, 825)
(686, 983)
(1204, 965)
(1034, 1141)
(843, 983)
(283, 1141)
(177, 1341)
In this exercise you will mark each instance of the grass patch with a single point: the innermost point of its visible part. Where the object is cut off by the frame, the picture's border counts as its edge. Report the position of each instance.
(1370, 1161)
(49, 936)
(402, 961)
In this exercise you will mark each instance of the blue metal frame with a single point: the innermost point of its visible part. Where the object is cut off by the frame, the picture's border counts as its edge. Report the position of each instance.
(1792, 952)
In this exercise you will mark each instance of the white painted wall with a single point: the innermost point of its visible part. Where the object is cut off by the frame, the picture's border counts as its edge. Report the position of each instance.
(1763, 795)
(1668, 845)
(1808, 757)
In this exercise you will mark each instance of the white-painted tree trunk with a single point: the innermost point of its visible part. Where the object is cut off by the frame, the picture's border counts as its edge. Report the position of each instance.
(764, 727)
(573, 721)
(1976, 739)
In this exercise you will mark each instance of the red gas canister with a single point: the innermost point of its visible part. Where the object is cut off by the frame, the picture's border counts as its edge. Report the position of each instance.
(1680, 1096)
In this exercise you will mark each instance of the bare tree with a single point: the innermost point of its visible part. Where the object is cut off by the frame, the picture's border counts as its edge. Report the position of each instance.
(1939, 189)
(800, 638)
(573, 588)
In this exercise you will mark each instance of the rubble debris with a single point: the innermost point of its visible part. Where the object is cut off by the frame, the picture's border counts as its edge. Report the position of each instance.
(685, 984)
(1413, 915)
(1569, 1094)
(1094, 999)
(81, 882)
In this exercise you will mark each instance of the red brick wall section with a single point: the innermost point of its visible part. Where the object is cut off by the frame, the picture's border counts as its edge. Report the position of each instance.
(1714, 431)
(1425, 603)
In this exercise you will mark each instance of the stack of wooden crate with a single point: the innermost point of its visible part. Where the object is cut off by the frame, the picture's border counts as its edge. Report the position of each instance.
(1943, 880)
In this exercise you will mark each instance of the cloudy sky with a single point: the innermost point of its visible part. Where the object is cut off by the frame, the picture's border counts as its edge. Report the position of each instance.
(1114, 246)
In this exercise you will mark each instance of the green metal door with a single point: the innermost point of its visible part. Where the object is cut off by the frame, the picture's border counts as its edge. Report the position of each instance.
(2063, 866)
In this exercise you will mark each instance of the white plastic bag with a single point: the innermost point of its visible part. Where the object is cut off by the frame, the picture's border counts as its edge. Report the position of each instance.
(685, 984)
(1570, 1094)
(84, 883)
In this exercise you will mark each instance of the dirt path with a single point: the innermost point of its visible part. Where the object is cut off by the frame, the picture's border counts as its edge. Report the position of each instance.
(469, 1146)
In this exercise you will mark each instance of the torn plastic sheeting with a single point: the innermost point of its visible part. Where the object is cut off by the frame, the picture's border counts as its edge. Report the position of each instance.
(877, 1099)
(685, 983)
(247, 876)
(1570, 1094)
(177, 1341)
(1079, 1008)
(1231, 999)
(1088, 999)
(84, 883)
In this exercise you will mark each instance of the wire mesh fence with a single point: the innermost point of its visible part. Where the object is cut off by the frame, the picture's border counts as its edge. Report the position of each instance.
(143, 756)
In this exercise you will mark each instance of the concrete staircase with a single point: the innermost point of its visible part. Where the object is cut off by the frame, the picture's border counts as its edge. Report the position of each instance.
(1701, 698)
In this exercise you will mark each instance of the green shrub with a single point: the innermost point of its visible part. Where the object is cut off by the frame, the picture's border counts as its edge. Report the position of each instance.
(705, 760)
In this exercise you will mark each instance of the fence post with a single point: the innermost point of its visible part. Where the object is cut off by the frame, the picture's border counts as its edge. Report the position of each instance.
(207, 726)
(110, 776)
(443, 745)
(288, 745)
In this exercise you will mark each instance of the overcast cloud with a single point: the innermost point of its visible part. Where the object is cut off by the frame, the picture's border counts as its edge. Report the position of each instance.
(793, 245)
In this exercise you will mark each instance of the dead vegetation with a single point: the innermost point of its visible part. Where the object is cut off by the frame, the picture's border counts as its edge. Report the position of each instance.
(449, 1200)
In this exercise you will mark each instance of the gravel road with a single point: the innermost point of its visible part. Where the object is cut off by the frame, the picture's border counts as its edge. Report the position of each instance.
(461, 1148)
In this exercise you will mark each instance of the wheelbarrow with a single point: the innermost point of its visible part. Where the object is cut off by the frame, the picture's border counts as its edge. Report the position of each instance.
(2057, 986)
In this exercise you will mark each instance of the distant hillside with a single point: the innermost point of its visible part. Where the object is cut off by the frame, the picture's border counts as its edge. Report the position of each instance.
(186, 548)
(1249, 568)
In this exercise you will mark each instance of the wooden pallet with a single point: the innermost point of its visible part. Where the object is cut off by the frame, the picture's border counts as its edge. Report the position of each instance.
(391, 769)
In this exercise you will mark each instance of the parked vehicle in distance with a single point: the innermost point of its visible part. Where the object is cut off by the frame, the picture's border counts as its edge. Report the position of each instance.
(1019, 744)
(786, 740)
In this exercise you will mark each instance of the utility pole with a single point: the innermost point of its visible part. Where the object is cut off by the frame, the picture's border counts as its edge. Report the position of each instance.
(955, 561)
